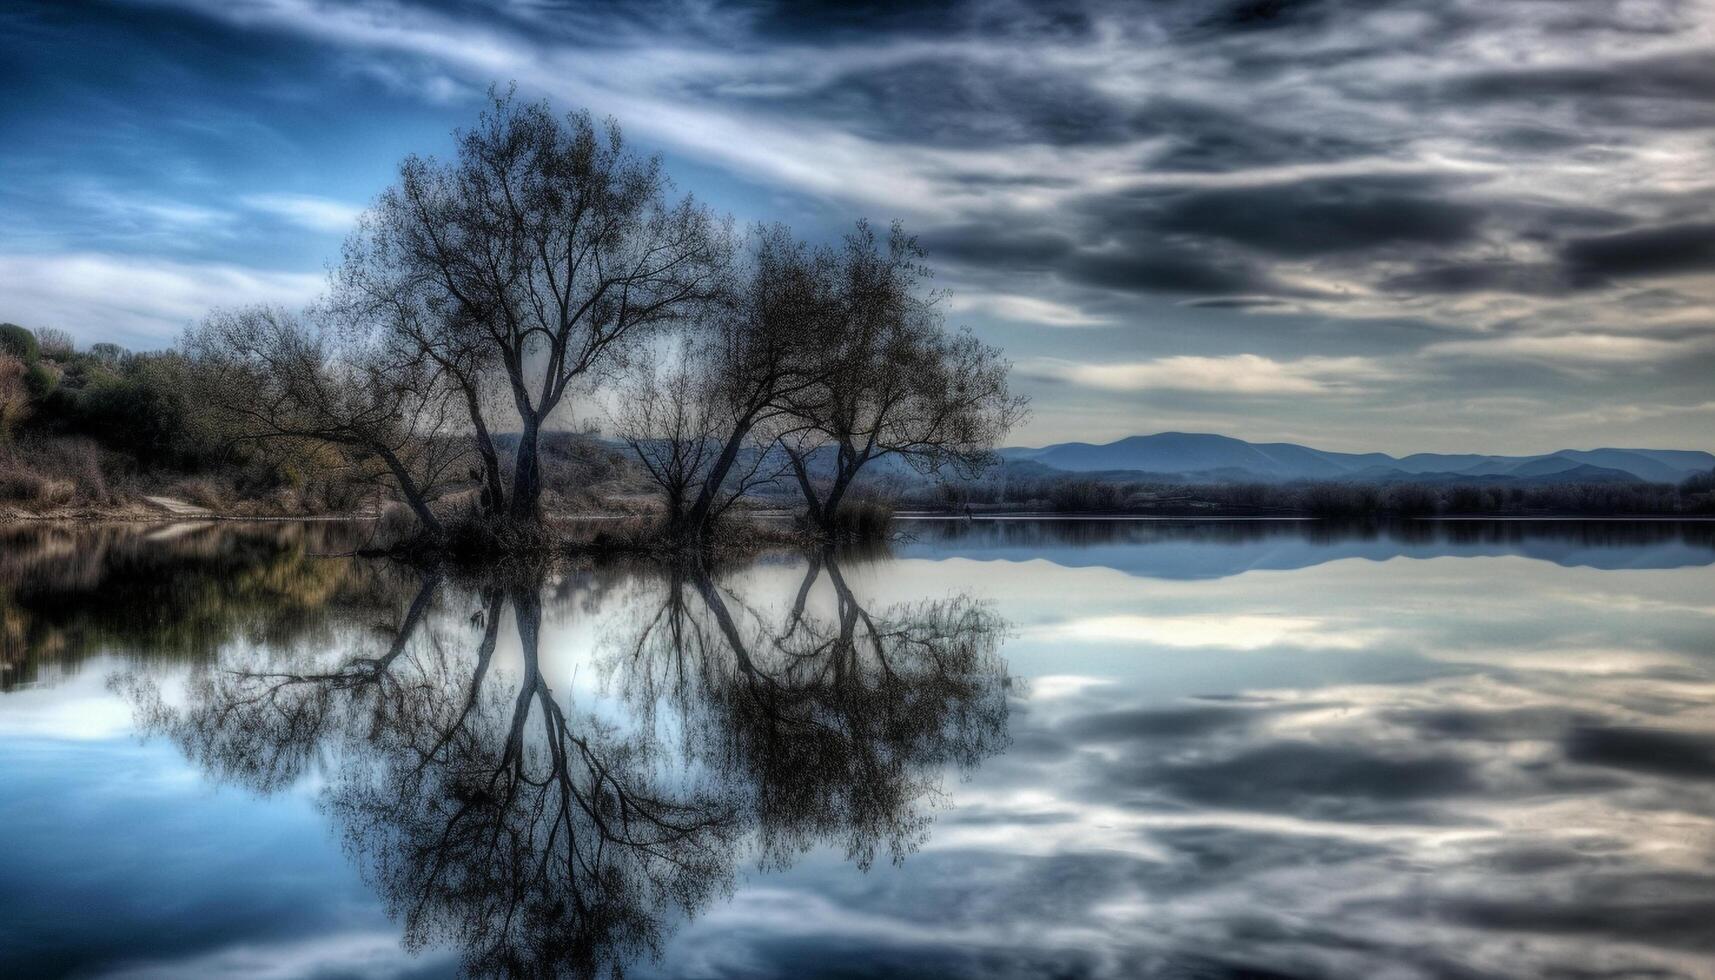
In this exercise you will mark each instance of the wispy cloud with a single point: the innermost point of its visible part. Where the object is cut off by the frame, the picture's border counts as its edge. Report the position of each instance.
(1024, 309)
(137, 300)
(1238, 374)
(307, 211)
(1579, 349)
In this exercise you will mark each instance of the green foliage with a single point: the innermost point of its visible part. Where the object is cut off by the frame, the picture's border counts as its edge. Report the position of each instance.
(19, 342)
(137, 405)
(41, 378)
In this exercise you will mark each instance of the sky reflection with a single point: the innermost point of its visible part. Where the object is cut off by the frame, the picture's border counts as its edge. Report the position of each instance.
(948, 761)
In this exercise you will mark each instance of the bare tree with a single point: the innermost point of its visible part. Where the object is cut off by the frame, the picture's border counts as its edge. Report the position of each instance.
(894, 381)
(744, 362)
(55, 342)
(531, 262)
(271, 376)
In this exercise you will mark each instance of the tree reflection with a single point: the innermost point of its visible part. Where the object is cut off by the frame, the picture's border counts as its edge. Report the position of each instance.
(493, 816)
(838, 726)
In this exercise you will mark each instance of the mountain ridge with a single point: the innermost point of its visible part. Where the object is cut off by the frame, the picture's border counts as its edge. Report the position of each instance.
(1190, 456)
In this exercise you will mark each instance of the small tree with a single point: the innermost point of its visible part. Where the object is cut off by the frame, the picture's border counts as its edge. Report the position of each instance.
(743, 364)
(55, 342)
(893, 382)
(271, 376)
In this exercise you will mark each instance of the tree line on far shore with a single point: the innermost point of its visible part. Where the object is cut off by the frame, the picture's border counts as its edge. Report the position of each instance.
(1073, 493)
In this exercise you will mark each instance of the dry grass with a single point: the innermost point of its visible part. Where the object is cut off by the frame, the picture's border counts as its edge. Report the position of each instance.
(49, 473)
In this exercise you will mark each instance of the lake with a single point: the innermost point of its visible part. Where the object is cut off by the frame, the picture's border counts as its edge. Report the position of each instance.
(997, 748)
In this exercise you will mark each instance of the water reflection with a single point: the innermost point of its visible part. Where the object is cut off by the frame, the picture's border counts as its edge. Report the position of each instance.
(1191, 549)
(837, 726)
(1239, 750)
(494, 816)
(169, 593)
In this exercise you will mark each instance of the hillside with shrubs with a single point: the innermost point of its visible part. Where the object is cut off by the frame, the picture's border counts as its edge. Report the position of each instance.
(92, 432)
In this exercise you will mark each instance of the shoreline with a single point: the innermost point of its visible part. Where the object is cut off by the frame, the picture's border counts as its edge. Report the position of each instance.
(92, 518)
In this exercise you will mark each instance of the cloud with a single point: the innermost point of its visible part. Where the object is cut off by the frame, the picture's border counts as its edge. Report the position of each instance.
(1242, 374)
(1682, 755)
(1580, 349)
(1242, 632)
(1354, 179)
(135, 299)
(1645, 252)
(1024, 309)
(1137, 267)
(307, 211)
(1319, 216)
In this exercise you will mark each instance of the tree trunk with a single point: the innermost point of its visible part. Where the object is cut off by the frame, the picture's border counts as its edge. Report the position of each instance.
(831, 504)
(492, 488)
(408, 487)
(527, 476)
(696, 519)
(812, 501)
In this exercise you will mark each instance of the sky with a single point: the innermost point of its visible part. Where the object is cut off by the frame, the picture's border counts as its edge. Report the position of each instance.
(1469, 225)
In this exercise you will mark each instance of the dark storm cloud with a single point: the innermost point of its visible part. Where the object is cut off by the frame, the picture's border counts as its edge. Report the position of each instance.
(1296, 776)
(1580, 263)
(1528, 278)
(958, 102)
(1508, 725)
(1000, 244)
(1662, 908)
(1256, 15)
(1161, 267)
(1687, 76)
(1667, 250)
(1122, 726)
(1682, 755)
(1203, 137)
(836, 22)
(1327, 215)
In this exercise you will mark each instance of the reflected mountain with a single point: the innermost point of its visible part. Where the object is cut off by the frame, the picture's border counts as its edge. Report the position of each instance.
(495, 816)
(1206, 549)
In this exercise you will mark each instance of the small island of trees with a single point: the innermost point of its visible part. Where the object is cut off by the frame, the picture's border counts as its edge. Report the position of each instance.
(479, 296)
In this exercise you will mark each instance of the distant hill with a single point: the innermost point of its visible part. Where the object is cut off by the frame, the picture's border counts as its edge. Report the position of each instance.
(1203, 457)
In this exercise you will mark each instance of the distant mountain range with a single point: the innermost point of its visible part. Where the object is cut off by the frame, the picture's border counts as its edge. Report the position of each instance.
(1201, 457)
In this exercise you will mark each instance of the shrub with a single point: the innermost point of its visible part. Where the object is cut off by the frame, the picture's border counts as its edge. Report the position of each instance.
(19, 483)
(55, 342)
(14, 396)
(42, 378)
(863, 520)
(19, 342)
(74, 461)
(204, 493)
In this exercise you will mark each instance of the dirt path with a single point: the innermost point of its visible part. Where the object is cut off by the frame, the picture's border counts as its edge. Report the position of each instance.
(179, 508)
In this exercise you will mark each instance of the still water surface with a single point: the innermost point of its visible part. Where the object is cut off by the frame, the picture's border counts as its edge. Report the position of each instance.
(998, 749)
